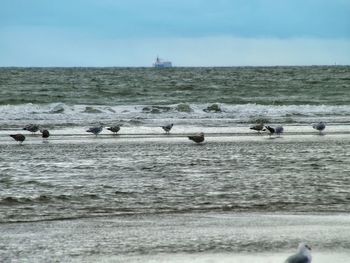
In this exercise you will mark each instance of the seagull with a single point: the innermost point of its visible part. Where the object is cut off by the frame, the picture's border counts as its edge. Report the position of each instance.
(198, 138)
(279, 130)
(45, 134)
(167, 128)
(270, 129)
(18, 137)
(303, 255)
(114, 129)
(95, 130)
(319, 126)
(257, 127)
(32, 128)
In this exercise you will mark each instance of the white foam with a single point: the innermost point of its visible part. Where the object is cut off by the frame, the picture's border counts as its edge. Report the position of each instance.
(60, 113)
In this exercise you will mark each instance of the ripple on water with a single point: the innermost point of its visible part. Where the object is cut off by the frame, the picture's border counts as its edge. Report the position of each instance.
(161, 177)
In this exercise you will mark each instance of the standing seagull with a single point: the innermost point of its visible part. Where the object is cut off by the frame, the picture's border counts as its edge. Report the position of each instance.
(114, 129)
(303, 255)
(95, 130)
(279, 130)
(198, 138)
(167, 128)
(45, 134)
(257, 127)
(319, 126)
(32, 128)
(18, 137)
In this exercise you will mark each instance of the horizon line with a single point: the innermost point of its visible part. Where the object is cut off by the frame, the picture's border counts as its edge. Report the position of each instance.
(233, 66)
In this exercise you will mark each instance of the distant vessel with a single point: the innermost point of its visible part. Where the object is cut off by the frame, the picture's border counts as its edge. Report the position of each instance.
(162, 64)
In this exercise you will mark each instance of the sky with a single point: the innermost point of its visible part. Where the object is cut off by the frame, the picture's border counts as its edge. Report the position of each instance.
(119, 33)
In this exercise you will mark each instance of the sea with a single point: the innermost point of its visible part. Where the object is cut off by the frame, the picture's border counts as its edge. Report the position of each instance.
(143, 195)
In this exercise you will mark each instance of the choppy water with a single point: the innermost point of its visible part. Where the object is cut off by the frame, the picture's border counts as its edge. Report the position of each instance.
(144, 172)
(74, 96)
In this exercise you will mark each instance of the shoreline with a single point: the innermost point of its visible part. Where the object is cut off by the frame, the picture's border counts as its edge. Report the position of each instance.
(208, 237)
(144, 134)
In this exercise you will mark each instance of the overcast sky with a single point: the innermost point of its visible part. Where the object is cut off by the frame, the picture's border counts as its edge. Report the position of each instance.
(187, 32)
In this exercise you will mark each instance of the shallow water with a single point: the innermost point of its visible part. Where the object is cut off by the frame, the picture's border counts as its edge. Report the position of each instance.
(74, 176)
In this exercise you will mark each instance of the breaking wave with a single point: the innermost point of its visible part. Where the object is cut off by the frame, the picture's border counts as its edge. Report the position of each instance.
(63, 114)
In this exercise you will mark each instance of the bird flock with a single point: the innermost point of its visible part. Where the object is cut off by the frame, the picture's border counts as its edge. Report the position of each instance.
(33, 128)
(278, 130)
(197, 138)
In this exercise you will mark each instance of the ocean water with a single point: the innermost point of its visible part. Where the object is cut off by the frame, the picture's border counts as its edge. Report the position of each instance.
(145, 196)
(206, 96)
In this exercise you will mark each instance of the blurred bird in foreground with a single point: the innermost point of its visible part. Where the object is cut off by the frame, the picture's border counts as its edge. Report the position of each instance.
(303, 255)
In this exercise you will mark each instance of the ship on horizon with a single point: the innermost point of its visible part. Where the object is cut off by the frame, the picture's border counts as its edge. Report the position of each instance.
(159, 63)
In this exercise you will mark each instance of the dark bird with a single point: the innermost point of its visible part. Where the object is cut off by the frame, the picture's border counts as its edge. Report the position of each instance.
(319, 126)
(32, 128)
(167, 128)
(45, 134)
(198, 138)
(18, 137)
(279, 130)
(270, 129)
(257, 127)
(303, 255)
(114, 129)
(95, 130)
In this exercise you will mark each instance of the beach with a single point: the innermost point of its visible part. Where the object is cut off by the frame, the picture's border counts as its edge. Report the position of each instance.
(143, 195)
(230, 237)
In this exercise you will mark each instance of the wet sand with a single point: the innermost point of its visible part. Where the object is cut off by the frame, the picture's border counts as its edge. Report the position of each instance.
(210, 237)
(230, 258)
(293, 133)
